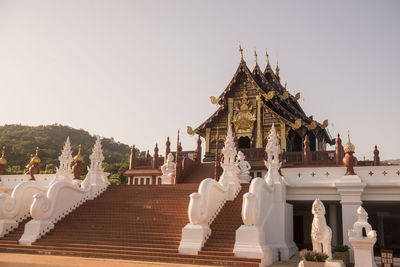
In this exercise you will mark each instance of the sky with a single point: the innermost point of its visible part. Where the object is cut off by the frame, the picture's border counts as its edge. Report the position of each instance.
(138, 71)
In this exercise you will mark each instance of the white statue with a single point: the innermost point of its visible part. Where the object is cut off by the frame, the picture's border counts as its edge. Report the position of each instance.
(363, 245)
(244, 166)
(168, 170)
(321, 234)
(272, 163)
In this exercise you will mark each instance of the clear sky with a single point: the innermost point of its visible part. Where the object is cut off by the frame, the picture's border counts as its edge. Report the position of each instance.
(139, 70)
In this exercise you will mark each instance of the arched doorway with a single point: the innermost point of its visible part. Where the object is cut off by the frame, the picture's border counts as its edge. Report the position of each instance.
(244, 142)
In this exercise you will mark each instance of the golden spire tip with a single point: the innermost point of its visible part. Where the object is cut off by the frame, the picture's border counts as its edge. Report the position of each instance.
(241, 51)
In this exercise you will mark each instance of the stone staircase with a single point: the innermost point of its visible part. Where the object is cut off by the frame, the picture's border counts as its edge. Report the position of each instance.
(136, 223)
(202, 171)
(222, 239)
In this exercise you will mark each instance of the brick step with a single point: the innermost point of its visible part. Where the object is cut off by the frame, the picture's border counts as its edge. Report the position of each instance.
(217, 253)
(174, 259)
(115, 236)
(126, 233)
(110, 239)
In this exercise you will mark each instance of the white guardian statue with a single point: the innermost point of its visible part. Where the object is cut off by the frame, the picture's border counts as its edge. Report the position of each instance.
(168, 170)
(244, 166)
(321, 234)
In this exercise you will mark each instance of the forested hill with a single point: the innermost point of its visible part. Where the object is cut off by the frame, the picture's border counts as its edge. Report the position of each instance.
(21, 141)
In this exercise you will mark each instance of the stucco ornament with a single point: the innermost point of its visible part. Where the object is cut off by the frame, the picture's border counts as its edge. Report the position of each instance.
(168, 170)
(230, 169)
(321, 233)
(96, 174)
(244, 167)
(273, 149)
(64, 172)
(363, 245)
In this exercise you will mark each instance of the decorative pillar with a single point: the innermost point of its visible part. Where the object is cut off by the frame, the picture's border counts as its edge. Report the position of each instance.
(167, 149)
(259, 136)
(132, 158)
(230, 113)
(3, 162)
(363, 245)
(198, 150)
(178, 161)
(283, 137)
(377, 161)
(339, 150)
(208, 132)
(155, 158)
(306, 151)
(216, 164)
(333, 223)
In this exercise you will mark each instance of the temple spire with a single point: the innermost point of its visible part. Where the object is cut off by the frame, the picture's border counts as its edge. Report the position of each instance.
(277, 68)
(241, 52)
(255, 56)
(266, 54)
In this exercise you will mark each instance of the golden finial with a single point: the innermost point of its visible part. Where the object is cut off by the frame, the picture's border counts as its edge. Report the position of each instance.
(277, 68)
(79, 157)
(349, 147)
(266, 53)
(285, 84)
(36, 158)
(3, 160)
(255, 56)
(241, 51)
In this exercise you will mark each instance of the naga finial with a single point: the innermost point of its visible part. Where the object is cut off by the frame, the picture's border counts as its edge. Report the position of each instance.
(277, 68)
(266, 54)
(241, 52)
(255, 56)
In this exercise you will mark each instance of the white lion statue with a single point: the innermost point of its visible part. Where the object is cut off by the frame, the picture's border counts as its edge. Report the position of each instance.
(321, 234)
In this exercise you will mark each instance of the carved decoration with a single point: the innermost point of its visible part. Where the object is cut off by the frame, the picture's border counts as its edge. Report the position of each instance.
(312, 126)
(244, 117)
(190, 130)
(214, 100)
(297, 96)
(297, 124)
(269, 95)
(324, 124)
(321, 234)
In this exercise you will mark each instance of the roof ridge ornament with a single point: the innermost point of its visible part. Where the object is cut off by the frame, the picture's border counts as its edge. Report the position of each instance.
(255, 56)
(277, 68)
(266, 54)
(241, 52)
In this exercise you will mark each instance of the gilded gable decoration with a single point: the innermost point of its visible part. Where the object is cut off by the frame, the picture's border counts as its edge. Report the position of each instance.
(244, 117)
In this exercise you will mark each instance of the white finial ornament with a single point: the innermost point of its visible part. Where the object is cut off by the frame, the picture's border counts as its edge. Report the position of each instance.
(64, 172)
(96, 174)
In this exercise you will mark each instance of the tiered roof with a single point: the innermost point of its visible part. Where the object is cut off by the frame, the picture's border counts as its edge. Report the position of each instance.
(275, 97)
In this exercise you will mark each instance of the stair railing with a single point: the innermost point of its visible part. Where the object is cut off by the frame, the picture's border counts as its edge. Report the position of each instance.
(267, 232)
(63, 197)
(205, 204)
(14, 208)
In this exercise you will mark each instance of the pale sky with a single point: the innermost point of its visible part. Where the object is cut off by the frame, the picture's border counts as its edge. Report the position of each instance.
(139, 70)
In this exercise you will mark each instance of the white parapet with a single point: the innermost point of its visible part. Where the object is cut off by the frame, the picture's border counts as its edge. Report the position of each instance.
(15, 207)
(9, 181)
(205, 204)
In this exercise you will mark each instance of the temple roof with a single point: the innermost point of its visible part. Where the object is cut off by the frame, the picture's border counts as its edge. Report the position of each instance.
(275, 97)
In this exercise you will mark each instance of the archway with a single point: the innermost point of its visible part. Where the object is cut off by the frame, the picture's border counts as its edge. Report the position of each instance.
(244, 142)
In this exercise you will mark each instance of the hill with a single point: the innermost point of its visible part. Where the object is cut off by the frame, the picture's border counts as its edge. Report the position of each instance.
(21, 141)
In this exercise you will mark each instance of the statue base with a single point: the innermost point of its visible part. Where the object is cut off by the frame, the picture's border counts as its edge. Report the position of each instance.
(167, 179)
(328, 263)
(244, 178)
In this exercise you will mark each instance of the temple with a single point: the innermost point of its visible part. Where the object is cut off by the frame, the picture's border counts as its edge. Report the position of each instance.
(250, 104)
(249, 199)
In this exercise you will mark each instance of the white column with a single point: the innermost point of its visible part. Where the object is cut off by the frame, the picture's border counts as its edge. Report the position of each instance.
(350, 188)
(333, 223)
